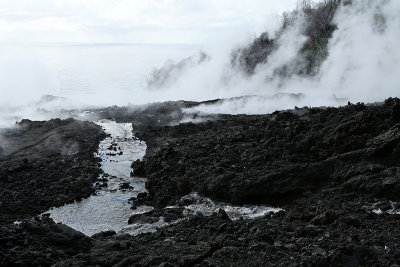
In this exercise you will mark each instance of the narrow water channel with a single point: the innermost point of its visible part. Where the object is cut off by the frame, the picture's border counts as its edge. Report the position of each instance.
(109, 209)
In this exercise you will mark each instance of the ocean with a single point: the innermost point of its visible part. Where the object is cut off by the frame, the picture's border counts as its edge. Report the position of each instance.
(106, 69)
(80, 74)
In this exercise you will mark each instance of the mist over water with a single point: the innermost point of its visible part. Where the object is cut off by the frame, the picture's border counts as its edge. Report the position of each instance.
(363, 65)
(80, 76)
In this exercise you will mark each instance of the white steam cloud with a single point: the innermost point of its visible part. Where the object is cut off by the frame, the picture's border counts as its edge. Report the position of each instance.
(363, 65)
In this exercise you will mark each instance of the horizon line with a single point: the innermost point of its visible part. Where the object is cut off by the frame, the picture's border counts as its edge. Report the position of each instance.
(55, 44)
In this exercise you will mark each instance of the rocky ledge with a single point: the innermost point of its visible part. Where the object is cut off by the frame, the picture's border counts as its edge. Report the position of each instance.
(335, 172)
(46, 164)
(277, 158)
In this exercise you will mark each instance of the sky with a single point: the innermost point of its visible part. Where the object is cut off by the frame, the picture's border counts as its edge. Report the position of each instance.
(133, 21)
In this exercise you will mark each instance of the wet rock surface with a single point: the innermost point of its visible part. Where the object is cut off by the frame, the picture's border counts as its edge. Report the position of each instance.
(334, 171)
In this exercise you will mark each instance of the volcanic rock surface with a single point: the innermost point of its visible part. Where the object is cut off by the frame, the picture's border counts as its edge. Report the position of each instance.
(44, 164)
(277, 158)
(335, 172)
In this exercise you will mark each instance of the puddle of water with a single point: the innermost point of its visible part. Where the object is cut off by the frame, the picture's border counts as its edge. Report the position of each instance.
(207, 207)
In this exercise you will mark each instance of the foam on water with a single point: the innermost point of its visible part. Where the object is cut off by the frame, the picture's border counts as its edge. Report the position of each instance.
(207, 207)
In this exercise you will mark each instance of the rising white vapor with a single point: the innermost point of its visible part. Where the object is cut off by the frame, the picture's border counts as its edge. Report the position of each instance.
(363, 65)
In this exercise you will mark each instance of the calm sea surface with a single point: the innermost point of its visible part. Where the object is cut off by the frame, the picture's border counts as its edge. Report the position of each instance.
(83, 75)
(107, 73)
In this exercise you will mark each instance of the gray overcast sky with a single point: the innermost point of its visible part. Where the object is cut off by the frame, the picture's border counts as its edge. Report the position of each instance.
(140, 21)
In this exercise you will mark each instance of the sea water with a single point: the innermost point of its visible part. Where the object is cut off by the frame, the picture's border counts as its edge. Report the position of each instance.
(80, 75)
